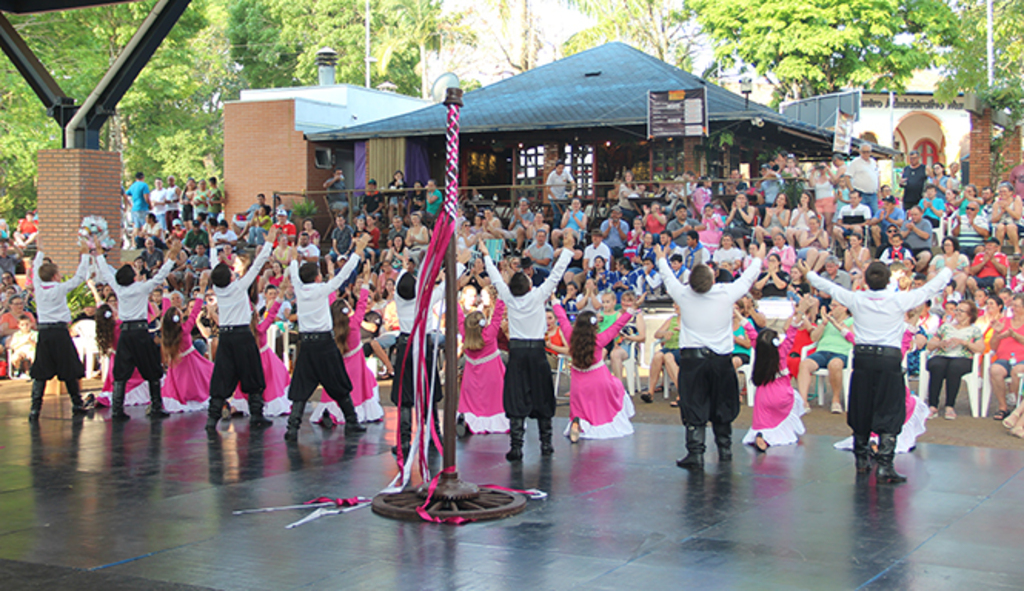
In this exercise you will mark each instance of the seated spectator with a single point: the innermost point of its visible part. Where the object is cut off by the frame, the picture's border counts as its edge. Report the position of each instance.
(852, 219)
(971, 228)
(664, 357)
(22, 346)
(956, 261)
(417, 238)
(741, 221)
(728, 256)
(897, 251)
(1008, 343)
(27, 232)
(832, 351)
(888, 215)
(151, 229)
(151, 257)
(257, 226)
(287, 231)
(933, 206)
(814, 244)
(521, 219)
(224, 240)
(917, 233)
(799, 217)
(9, 260)
(307, 251)
(596, 248)
(197, 233)
(573, 220)
(695, 253)
(773, 282)
(616, 232)
(711, 227)
(743, 336)
(540, 252)
(677, 227)
(654, 220)
(988, 269)
(775, 222)
(1006, 216)
(953, 348)
(785, 252)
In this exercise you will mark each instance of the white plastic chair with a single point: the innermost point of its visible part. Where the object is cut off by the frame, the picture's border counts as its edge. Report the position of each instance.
(563, 367)
(85, 343)
(631, 366)
(747, 370)
(979, 387)
(821, 377)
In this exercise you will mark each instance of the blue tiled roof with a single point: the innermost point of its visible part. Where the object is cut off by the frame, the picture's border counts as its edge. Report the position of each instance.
(605, 86)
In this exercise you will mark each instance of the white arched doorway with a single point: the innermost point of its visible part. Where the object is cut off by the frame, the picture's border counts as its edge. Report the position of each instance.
(922, 132)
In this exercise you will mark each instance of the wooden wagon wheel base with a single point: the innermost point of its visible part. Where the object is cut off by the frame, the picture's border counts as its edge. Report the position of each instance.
(488, 504)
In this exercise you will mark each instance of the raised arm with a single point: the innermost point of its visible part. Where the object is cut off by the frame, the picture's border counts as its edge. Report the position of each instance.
(548, 287)
(462, 320)
(36, 262)
(271, 316)
(672, 284)
(741, 286)
(257, 264)
(105, 272)
(496, 279)
(785, 347)
(350, 267)
(563, 321)
(491, 330)
(839, 294)
(608, 335)
(197, 307)
(914, 298)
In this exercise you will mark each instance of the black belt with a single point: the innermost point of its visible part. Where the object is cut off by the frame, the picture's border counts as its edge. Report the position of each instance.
(51, 325)
(878, 351)
(698, 353)
(135, 325)
(316, 336)
(526, 344)
(234, 328)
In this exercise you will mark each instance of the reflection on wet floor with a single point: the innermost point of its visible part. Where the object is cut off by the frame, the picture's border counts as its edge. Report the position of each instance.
(153, 501)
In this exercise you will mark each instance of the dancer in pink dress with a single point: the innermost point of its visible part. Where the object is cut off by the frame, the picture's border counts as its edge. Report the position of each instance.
(187, 382)
(108, 330)
(777, 406)
(481, 406)
(365, 393)
(598, 405)
(275, 397)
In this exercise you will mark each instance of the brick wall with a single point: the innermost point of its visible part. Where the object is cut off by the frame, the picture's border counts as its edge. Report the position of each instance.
(1011, 153)
(263, 153)
(981, 150)
(74, 184)
(691, 163)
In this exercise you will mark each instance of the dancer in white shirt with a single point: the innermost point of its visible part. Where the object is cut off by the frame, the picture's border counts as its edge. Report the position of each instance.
(238, 355)
(529, 391)
(877, 386)
(319, 361)
(708, 390)
(55, 352)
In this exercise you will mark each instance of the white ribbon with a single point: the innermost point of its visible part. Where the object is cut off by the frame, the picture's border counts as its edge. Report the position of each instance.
(482, 360)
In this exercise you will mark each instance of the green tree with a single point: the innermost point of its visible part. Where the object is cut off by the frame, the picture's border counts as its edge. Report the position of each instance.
(662, 28)
(819, 46)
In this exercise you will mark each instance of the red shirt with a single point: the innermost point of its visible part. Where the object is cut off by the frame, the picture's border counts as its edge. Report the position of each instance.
(375, 238)
(28, 227)
(287, 229)
(989, 270)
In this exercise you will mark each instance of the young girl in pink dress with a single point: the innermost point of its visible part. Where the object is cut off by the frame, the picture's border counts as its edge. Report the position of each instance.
(275, 374)
(480, 400)
(713, 223)
(186, 385)
(365, 392)
(598, 405)
(777, 406)
(108, 331)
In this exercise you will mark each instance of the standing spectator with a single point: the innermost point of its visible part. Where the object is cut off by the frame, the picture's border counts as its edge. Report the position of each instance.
(172, 197)
(138, 192)
(187, 209)
(158, 201)
(558, 180)
(971, 229)
(337, 198)
(217, 200)
(864, 177)
(201, 199)
(626, 191)
(988, 269)
(913, 179)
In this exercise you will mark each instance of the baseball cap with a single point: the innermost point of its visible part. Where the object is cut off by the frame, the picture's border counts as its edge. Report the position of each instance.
(889, 199)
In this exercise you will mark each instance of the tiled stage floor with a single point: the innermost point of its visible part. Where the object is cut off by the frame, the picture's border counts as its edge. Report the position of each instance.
(141, 506)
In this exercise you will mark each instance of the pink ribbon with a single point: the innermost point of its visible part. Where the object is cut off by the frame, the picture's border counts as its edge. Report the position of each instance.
(350, 502)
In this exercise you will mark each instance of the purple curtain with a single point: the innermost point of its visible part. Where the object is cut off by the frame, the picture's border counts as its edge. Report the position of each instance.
(360, 181)
(417, 162)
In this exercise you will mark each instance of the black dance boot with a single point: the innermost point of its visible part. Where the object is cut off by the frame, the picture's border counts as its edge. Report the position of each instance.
(256, 418)
(77, 406)
(404, 432)
(213, 415)
(351, 418)
(723, 440)
(117, 403)
(885, 473)
(156, 402)
(295, 420)
(516, 433)
(862, 453)
(38, 389)
(694, 459)
(546, 449)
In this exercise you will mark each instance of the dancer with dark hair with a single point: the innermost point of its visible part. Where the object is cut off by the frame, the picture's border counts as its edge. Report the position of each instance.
(529, 391)
(777, 406)
(708, 389)
(55, 352)
(238, 356)
(135, 346)
(877, 386)
(319, 362)
(189, 373)
(598, 405)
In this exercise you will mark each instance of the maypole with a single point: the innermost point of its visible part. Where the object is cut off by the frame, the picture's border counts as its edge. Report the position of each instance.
(446, 498)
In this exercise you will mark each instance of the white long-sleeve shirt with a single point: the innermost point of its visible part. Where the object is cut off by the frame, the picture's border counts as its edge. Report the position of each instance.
(526, 319)
(233, 305)
(878, 315)
(52, 296)
(311, 299)
(133, 300)
(705, 319)
(406, 309)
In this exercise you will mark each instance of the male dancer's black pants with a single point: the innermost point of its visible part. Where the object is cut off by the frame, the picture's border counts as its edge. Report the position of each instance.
(56, 356)
(238, 364)
(878, 392)
(708, 389)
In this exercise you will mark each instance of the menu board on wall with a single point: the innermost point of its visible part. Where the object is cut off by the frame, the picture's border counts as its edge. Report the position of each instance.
(677, 113)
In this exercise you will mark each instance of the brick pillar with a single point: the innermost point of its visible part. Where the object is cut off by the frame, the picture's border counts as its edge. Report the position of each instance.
(1011, 153)
(981, 149)
(691, 163)
(74, 184)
